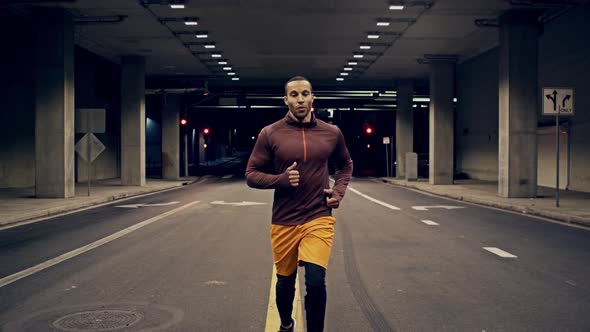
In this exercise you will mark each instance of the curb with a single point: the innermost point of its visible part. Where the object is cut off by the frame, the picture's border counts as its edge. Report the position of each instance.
(84, 205)
(580, 221)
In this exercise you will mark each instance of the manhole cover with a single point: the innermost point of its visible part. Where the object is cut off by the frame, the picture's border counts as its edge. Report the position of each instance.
(99, 320)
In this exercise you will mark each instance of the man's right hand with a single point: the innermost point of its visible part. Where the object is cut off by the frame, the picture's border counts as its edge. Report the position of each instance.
(293, 175)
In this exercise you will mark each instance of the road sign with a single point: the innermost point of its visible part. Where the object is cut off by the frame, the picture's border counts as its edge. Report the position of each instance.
(386, 140)
(558, 100)
(89, 147)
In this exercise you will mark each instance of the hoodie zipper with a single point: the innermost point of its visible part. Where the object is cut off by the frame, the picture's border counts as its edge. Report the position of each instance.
(304, 144)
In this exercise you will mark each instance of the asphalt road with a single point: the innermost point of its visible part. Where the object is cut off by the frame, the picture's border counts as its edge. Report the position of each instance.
(198, 264)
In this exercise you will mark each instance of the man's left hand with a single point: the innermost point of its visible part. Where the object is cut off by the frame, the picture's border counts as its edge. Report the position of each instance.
(330, 201)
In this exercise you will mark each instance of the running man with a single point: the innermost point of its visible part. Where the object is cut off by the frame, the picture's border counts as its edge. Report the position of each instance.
(291, 156)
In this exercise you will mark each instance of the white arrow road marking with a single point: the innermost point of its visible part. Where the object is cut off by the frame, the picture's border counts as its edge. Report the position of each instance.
(243, 203)
(499, 252)
(425, 208)
(135, 206)
(429, 222)
(54, 261)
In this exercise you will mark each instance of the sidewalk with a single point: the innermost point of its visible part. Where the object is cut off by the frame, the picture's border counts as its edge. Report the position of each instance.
(574, 206)
(19, 204)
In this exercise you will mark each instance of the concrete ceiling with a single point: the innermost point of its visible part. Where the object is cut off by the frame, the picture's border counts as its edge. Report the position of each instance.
(267, 41)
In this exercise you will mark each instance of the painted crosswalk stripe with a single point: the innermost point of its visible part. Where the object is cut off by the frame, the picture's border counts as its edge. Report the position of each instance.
(500, 252)
(429, 222)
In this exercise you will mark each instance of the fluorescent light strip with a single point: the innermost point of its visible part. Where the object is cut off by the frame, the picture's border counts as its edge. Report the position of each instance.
(201, 36)
(209, 46)
(352, 63)
(358, 56)
(191, 23)
(227, 68)
(222, 63)
(215, 55)
(383, 24)
(372, 36)
(396, 7)
(343, 74)
(176, 6)
(235, 78)
(365, 47)
(340, 79)
(231, 74)
(347, 68)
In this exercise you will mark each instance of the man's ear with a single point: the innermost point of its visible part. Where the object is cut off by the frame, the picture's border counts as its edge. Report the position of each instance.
(285, 100)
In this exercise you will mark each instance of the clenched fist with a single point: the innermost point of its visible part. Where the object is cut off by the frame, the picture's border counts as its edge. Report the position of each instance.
(293, 174)
(330, 201)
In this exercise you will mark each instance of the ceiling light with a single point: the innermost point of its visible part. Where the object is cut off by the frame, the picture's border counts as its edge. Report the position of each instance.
(358, 56)
(340, 79)
(383, 23)
(222, 62)
(202, 35)
(352, 63)
(231, 73)
(226, 68)
(372, 36)
(215, 55)
(191, 22)
(176, 6)
(209, 45)
(343, 74)
(396, 7)
(347, 68)
(235, 78)
(365, 47)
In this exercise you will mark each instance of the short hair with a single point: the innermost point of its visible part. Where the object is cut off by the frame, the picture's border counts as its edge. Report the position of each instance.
(296, 78)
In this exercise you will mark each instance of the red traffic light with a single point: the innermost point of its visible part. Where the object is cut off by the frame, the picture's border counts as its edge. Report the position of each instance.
(206, 131)
(369, 130)
(183, 122)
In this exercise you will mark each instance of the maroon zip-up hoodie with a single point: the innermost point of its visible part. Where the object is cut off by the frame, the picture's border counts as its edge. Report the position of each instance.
(311, 145)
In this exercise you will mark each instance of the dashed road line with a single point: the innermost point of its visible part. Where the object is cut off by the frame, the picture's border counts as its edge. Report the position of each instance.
(429, 222)
(500, 252)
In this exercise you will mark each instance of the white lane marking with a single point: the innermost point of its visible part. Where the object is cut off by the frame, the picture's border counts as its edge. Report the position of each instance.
(426, 208)
(243, 203)
(54, 261)
(273, 321)
(135, 206)
(499, 252)
(229, 176)
(389, 206)
(429, 222)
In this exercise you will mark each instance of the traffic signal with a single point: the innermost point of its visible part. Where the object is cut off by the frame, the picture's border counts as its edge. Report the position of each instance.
(183, 121)
(369, 130)
(206, 131)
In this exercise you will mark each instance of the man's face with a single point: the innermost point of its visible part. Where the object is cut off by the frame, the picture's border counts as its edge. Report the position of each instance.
(299, 98)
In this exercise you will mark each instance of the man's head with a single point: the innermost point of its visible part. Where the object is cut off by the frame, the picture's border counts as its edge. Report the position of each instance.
(298, 97)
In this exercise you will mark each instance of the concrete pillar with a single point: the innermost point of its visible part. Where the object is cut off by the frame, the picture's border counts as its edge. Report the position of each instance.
(54, 104)
(133, 121)
(518, 100)
(170, 137)
(442, 86)
(404, 126)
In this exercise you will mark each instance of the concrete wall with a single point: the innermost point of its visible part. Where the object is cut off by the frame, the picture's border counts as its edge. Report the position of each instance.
(564, 61)
(17, 103)
(97, 86)
(476, 130)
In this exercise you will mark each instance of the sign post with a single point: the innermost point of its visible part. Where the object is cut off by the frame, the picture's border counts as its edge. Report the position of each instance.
(89, 121)
(386, 143)
(558, 101)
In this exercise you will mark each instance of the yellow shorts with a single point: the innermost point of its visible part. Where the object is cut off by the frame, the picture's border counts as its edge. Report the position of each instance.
(310, 242)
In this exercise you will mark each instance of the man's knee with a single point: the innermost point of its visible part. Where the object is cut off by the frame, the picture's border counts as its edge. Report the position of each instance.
(286, 281)
(315, 276)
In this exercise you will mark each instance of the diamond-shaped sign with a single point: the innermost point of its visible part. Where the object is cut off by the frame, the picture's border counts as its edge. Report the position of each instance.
(89, 147)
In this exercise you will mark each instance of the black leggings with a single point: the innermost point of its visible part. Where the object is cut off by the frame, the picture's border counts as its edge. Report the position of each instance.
(315, 298)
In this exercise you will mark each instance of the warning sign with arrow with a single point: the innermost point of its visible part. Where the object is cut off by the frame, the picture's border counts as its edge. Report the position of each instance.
(558, 100)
